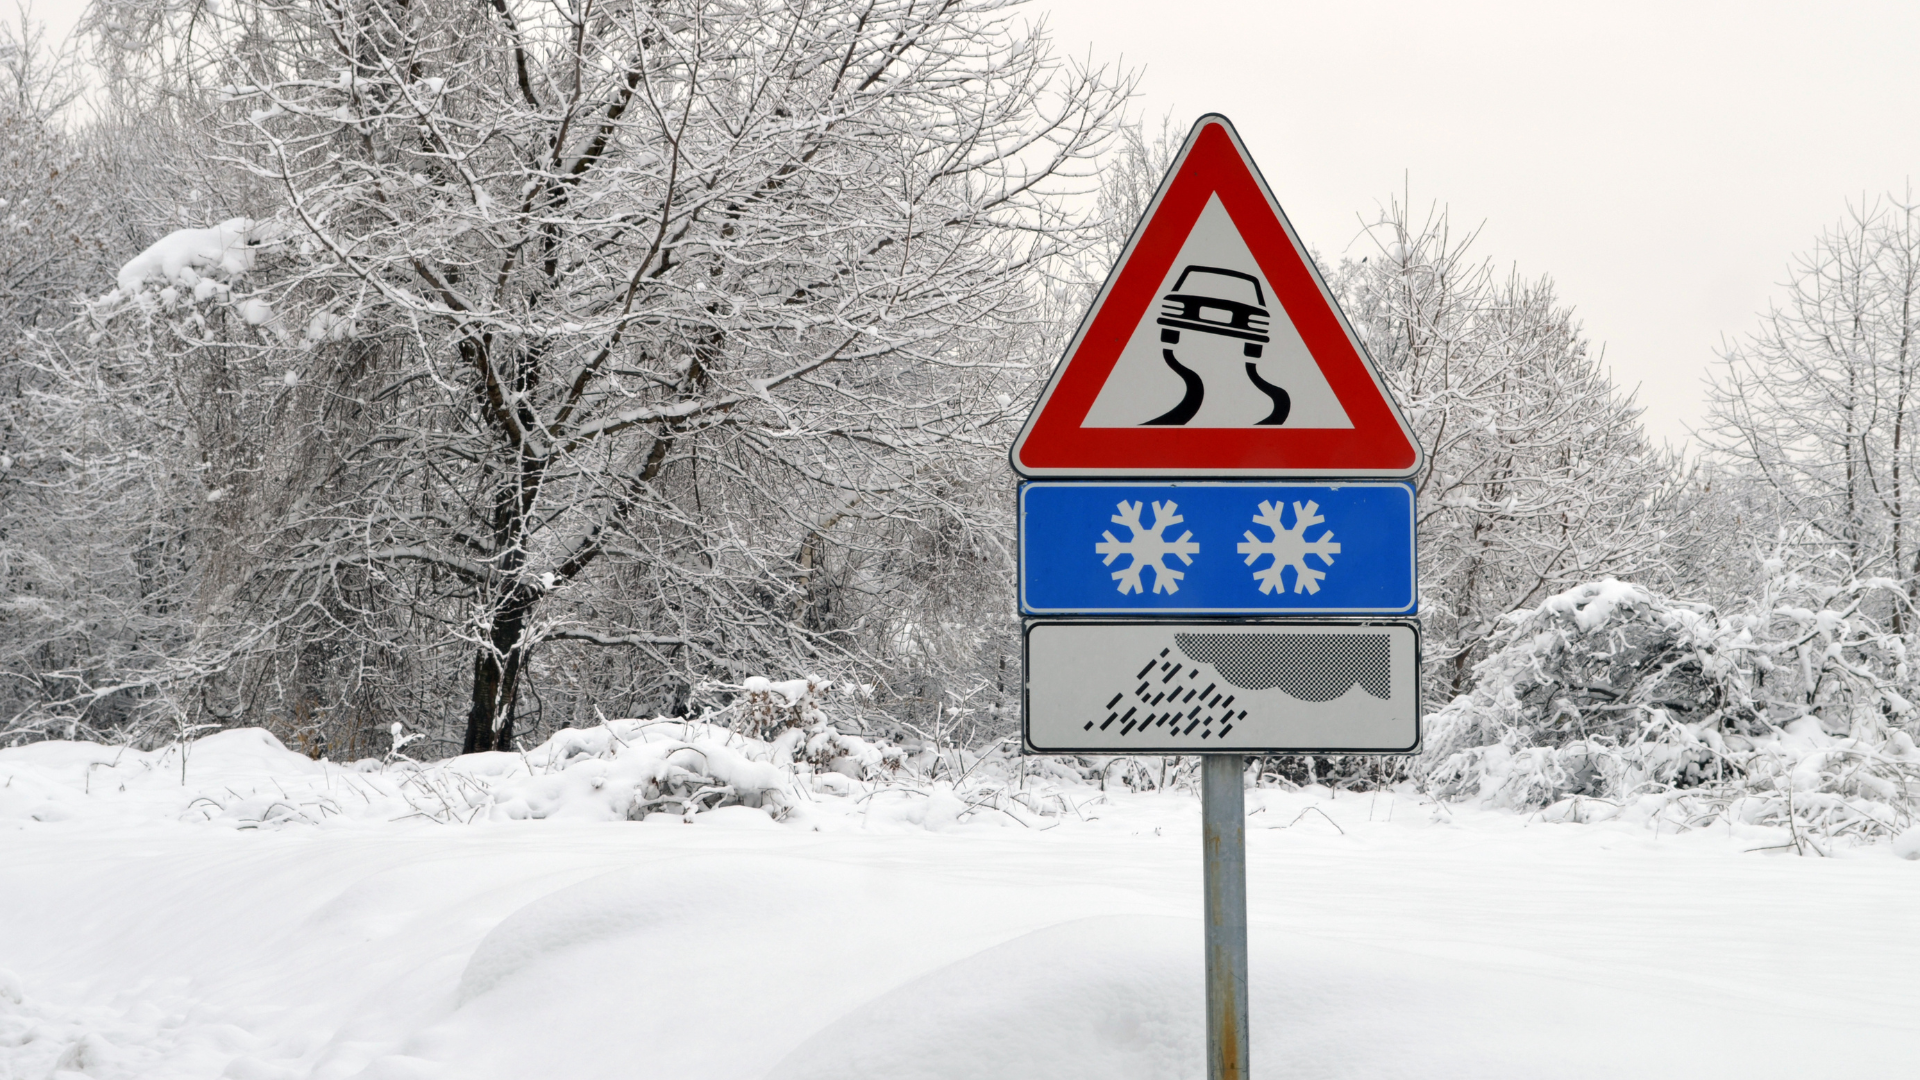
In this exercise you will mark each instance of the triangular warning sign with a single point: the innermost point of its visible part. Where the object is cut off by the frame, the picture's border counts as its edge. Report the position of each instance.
(1215, 349)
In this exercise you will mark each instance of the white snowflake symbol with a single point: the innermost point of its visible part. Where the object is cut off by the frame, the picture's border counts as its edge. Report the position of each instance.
(1148, 547)
(1290, 547)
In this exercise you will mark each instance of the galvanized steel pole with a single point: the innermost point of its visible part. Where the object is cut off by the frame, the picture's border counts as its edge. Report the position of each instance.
(1223, 832)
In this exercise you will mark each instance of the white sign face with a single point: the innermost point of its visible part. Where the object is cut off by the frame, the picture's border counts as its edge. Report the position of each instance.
(1200, 687)
(1216, 321)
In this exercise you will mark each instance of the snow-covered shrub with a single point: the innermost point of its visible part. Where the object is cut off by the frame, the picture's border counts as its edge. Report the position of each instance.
(1587, 695)
(791, 716)
(631, 768)
(1791, 715)
(765, 707)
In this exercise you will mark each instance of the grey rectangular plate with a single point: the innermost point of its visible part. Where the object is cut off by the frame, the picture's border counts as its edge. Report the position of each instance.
(1194, 687)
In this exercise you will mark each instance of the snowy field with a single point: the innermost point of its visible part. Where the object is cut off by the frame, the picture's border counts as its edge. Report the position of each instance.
(273, 918)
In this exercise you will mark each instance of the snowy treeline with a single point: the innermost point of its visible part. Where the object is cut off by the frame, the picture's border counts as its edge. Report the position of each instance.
(504, 368)
(525, 363)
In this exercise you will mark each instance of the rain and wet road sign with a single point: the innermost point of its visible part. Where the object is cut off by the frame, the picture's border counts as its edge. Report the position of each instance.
(1249, 687)
(1216, 548)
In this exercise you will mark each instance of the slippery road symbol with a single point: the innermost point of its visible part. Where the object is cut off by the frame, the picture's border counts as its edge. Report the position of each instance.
(1214, 300)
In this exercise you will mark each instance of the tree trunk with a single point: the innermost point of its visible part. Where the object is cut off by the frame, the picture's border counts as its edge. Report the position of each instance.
(496, 677)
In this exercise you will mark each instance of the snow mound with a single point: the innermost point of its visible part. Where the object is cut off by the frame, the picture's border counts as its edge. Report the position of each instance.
(188, 268)
(1121, 996)
(656, 770)
(178, 257)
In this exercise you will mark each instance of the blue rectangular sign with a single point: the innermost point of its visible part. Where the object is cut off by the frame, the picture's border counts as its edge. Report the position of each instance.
(1089, 548)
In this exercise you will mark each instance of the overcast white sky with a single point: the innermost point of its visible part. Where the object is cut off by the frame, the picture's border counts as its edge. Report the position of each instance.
(1663, 161)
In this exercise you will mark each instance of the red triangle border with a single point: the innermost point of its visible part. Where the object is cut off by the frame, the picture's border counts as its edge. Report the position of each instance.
(1053, 444)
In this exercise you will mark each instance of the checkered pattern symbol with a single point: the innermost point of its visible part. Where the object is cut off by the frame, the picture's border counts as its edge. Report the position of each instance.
(1307, 667)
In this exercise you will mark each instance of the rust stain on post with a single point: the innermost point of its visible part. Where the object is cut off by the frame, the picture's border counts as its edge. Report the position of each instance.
(1230, 1041)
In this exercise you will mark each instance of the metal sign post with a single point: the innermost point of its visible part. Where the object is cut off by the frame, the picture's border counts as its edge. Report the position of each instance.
(1217, 538)
(1223, 838)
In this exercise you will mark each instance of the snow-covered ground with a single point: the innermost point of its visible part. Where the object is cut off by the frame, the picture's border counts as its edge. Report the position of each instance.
(272, 917)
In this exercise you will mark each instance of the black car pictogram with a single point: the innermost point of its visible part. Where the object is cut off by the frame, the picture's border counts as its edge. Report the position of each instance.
(1214, 300)
(1215, 303)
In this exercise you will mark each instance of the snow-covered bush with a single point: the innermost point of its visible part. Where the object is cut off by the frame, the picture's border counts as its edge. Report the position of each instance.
(1609, 693)
(791, 717)
(766, 706)
(631, 768)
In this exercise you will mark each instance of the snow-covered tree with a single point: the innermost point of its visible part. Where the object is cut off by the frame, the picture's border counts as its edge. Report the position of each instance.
(1818, 411)
(72, 616)
(1538, 474)
(687, 332)
(56, 232)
